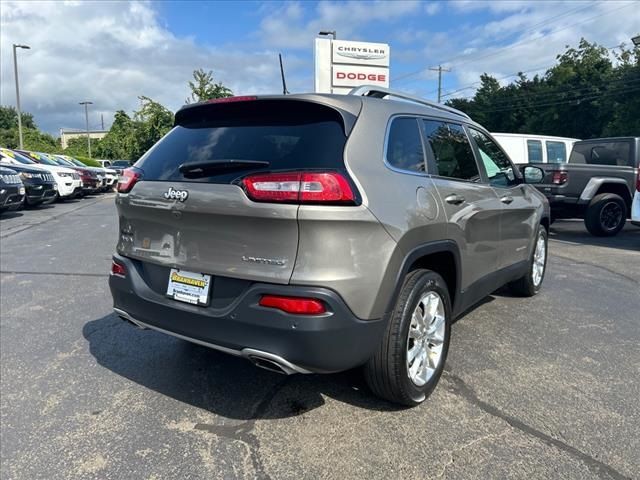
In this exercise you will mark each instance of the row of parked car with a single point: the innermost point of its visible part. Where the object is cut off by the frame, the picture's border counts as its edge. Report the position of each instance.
(35, 178)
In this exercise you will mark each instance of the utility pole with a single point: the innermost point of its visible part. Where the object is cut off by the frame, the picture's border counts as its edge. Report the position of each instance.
(440, 69)
(102, 120)
(86, 118)
(15, 72)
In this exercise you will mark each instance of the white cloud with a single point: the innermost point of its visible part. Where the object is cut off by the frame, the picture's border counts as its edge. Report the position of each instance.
(286, 26)
(432, 8)
(528, 37)
(111, 52)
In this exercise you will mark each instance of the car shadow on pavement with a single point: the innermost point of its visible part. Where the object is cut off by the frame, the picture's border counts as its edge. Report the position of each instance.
(219, 383)
(12, 214)
(574, 232)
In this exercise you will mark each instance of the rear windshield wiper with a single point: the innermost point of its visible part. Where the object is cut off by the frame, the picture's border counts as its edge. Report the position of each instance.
(208, 167)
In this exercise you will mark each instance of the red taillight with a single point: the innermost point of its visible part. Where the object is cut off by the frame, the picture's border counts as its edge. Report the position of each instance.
(118, 269)
(245, 98)
(300, 187)
(128, 179)
(559, 178)
(296, 305)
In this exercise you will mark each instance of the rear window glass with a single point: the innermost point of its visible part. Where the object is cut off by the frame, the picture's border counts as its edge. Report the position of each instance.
(609, 153)
(534, 149)
(306, 136)
(556, 152)
(404, 146)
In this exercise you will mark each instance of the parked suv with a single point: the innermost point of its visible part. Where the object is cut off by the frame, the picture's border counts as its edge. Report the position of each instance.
(317, 233)
(11, 190)
(39, 184)
(68, 180)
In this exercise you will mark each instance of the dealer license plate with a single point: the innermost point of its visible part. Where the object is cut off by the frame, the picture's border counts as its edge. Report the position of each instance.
(189, 287)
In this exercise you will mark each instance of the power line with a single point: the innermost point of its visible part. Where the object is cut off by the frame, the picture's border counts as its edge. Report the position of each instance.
(520, 43)
(471, 85)
(558, 94)
(565, 102)
(531, 28)
(543, 22)
(523, 42)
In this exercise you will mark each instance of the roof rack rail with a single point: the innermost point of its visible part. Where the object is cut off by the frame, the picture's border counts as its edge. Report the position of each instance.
(381, 92)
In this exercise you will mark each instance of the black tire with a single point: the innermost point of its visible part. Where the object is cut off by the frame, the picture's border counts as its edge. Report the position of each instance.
(525, 286)
(387, 371)
(606, 215)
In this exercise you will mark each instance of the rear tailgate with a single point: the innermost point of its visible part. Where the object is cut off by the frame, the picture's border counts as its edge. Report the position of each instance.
(217, 230)
(207, 224)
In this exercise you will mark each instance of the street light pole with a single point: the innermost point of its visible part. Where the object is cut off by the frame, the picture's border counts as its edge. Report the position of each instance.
(86, 118)
(15, 72)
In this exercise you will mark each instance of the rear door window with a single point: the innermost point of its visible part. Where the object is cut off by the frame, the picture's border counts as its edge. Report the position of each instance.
(606, 153)
(404, 146)
(287, 136)
(556, 152)
(451, 150)
(534, 151)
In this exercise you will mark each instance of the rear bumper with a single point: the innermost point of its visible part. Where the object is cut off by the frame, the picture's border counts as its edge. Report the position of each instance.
(331, 342)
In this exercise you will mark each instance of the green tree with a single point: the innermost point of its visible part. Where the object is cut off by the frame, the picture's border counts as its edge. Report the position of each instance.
(203, 87)
(39, 141)
(9, 118)
(77, 147)
(119, 143)
(152, 122)
(129, 138)
(585, 95)
(9, 126)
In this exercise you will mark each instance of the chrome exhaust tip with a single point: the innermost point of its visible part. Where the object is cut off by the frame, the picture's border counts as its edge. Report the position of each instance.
(270, 361)
(267, 364)
(127, 318)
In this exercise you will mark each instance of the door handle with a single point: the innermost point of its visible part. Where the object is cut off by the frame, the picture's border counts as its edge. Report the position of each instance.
(507, 199)
(454, 199)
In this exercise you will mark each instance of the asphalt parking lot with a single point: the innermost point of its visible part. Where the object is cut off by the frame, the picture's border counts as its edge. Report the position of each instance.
(546, 387)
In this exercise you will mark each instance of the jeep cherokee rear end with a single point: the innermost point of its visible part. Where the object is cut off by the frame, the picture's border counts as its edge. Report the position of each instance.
(317, 233)
(254, 193)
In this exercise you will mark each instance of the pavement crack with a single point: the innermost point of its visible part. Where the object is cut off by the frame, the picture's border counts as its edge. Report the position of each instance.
(458, 387)
(244, 431)
(64, 274)
(595, 265)
(452, 453)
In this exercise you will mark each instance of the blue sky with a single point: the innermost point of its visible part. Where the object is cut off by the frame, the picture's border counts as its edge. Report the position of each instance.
(111, 52)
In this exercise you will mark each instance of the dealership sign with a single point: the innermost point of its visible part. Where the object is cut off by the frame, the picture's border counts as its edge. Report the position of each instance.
(341, 65)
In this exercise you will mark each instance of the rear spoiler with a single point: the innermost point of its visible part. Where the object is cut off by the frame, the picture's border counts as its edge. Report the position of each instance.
(232, 109)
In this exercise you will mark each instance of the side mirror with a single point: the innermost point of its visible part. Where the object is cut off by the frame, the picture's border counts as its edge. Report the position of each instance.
(533, 174)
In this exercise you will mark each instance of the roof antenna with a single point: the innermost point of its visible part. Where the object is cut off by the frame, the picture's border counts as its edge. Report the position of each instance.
(284, 82)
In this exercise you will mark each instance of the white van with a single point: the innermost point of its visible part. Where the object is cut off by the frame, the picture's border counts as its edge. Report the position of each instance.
(523, 148)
